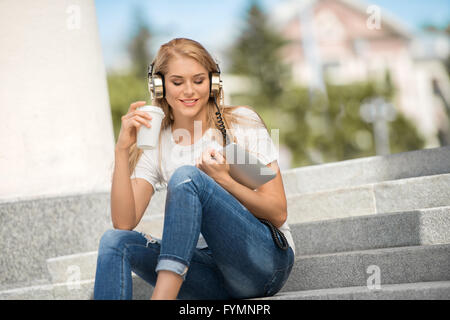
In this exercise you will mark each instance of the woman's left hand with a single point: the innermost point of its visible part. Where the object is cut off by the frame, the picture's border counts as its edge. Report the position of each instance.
(214, 165)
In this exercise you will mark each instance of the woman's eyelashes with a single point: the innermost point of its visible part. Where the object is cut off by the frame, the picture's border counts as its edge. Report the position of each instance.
(180, 83)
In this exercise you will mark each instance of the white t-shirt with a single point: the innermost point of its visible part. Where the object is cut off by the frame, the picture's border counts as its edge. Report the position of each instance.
(256, 140)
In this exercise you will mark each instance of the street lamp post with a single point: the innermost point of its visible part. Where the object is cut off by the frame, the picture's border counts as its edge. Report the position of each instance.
(379, 112)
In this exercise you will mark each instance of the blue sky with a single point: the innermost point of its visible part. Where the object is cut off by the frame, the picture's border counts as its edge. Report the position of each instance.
(216, 23)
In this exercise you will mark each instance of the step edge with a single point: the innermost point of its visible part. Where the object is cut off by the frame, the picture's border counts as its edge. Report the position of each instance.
(71, 256)
(373, 216)
(363, 186)
(355, 289)
(376, 251)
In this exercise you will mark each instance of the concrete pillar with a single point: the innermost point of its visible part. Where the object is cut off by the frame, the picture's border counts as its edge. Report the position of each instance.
(56, 136)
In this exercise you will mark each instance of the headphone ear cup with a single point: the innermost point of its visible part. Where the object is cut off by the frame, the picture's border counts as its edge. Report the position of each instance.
(157, 87)
(215, 84)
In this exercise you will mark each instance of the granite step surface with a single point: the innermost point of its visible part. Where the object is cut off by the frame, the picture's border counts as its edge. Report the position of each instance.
(392, 196)
(368, 170)
(356, 268)
(435, 290)
(71, 290)
(376, 231)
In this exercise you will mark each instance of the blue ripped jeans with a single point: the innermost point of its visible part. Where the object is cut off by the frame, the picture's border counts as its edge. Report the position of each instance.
(241, 261)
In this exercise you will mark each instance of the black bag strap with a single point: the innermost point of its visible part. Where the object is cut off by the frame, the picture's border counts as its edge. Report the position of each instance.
(276, 235)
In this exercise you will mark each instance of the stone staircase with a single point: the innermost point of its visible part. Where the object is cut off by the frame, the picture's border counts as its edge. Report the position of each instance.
(370, 228)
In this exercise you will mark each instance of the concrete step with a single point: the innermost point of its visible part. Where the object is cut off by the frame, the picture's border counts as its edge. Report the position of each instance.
(71, 290)
(41, 289)
(356, 268)
(84, 290)
(338, 270)
(414, 228)
(76, 267)
(368, 170)
(437, 290)
(393, 196)
(74, 276)
(397, 265)
(399, 229)
(34, 229)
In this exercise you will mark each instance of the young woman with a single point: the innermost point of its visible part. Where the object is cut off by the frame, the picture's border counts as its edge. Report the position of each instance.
(213, 245)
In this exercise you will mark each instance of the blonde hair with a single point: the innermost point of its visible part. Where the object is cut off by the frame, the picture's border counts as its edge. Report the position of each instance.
(192, 49)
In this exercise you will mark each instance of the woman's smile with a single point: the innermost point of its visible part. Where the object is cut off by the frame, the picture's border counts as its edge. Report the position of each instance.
(189, 102)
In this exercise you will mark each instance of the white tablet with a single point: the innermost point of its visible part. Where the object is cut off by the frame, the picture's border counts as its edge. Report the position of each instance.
(245, 168)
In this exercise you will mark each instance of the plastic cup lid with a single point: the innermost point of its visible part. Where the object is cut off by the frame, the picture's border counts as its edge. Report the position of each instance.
(152, 109)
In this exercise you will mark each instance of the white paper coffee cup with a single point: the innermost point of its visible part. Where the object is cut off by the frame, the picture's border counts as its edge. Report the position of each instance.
(147, 138)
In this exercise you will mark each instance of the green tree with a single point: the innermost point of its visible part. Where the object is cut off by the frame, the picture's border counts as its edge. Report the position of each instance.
(123, 90)
(256, 54)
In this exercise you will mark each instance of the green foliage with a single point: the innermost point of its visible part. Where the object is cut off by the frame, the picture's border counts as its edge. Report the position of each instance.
(123, 90)
(256, 54)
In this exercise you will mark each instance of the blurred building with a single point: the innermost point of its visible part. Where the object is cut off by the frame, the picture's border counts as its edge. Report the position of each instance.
(343, 41)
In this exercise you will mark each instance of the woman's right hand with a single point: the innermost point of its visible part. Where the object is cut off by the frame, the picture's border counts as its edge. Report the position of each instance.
(131, 122)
